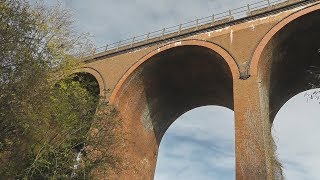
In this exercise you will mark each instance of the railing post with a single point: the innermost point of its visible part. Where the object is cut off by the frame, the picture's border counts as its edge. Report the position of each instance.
(197, 23)
(212, 19)
(148, 35)
(180, 26)
(269, 4)
(132, 41)
(163, 31)
(119, 44)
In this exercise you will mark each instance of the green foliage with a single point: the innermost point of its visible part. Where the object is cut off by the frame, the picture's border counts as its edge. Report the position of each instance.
(104, 141)
(56, 125)
(45, 114)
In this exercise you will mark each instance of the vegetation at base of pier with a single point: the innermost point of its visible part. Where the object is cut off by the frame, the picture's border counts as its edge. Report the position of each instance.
(266, 143)
(45, 112)
(275, 168)
(314, 79)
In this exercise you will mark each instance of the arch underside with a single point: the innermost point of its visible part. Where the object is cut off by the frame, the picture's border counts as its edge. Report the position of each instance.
(286, 61)
(173, 82)
(95, 76)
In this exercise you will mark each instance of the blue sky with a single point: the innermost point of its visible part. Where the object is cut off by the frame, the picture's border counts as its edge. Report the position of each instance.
(200, 144)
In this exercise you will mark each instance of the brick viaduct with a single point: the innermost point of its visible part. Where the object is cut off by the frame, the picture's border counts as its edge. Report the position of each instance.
(252, 65)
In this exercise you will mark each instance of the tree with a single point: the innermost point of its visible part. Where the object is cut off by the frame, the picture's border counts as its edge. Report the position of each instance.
(45, 112)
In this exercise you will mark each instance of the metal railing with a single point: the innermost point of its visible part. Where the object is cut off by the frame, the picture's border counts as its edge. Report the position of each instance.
(214, 19)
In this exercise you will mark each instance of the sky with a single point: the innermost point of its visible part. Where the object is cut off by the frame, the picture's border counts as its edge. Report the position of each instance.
(200, 144)
(296, 132)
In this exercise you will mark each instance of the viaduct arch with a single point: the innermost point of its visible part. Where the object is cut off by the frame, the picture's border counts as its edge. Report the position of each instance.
(284, 57)
(165, 84)
(97, 75)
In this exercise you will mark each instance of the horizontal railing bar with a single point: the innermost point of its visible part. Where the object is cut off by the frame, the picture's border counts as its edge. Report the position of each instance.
(259, 2)
(224, 12)
(258, 7)
(242, 7)
(239, 12)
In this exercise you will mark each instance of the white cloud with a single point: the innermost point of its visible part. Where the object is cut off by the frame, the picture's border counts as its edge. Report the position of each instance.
(199, 145)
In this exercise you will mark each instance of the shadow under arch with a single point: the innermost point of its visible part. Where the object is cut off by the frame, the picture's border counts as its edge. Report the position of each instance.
(97, 77)
(214, 47)
(89, 83)
(283, 59)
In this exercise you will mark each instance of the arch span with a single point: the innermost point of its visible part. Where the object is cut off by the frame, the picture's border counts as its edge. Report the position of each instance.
(96, 74)
(214, 47)
(164, 85)
(283, 59)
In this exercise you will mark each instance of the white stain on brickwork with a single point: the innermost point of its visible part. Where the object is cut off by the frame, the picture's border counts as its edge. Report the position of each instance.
(177, 43)
(220, 30)
(231, 36)
(140, 49)
(146, 119)
(252, 27)
(145, 162)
